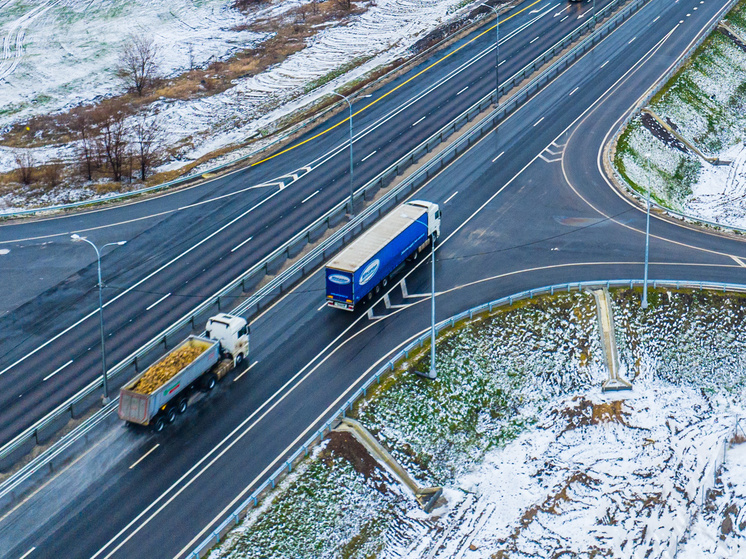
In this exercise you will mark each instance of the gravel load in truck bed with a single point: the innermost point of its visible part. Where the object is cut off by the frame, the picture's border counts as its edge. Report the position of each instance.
(160, 372)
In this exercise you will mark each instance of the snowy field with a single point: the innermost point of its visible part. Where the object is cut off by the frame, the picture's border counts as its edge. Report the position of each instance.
(61, 53)
(706, 102)
(535, 461)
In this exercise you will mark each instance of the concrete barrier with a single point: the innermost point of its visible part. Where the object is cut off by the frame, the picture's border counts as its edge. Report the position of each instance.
(46, 433)
(276, 264)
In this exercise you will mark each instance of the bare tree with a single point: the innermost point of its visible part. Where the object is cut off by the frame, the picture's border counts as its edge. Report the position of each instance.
(82, 127)
(24, 167)
(147, 139)
(112, 140)
(53, 173)
(138, 62)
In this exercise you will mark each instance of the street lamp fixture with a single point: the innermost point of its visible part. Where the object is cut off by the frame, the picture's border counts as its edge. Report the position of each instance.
(77, 238)
(352, 207)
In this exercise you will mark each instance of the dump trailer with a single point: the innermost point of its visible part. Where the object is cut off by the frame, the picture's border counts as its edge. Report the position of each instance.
(367, 263)
(158, 394)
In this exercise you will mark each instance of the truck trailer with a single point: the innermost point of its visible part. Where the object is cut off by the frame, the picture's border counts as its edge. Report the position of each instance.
(361, 268)
(158, 394)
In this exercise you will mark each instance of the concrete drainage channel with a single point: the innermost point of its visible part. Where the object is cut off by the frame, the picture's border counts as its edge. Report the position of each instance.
(285, 279)
(338, 418)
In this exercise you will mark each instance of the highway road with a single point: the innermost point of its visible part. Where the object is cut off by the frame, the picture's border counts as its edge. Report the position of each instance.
(185, 246)
(526, 207)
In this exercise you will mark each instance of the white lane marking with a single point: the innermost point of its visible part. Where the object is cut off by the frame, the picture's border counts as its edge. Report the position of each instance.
(498, 157)
(307, 198)
(460, 92)
(29, 552)
(501, 63)
(235, 248)
(564, 18)
(417, 122)
(450, 198)
(538, 121)
(656, 19)
(532, 41)
(158, 301)
(738, 261)
(632, 39)
(144, 456)
(604, 64)
(56, 371)
(246, 370)
(369, 155)
(321, 307)
(4, 251)
(573, 91)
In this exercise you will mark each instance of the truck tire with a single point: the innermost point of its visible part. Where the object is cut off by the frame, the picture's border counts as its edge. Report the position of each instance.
(181, 407)
(239, 359)
(209, 382)
(171, 415)
(159, 424)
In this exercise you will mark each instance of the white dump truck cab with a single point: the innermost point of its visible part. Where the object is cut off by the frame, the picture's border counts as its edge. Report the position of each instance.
(233, 334)
(433, 217)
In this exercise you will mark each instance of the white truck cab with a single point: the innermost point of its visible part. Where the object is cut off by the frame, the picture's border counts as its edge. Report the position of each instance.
(233, 334)
(433, 217)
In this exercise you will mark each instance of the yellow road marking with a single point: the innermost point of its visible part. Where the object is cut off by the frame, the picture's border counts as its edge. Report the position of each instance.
(418, 74)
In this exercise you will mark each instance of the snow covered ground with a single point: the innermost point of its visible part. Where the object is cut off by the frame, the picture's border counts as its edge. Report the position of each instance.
(60, 53)
(706, 103)
(535, 461)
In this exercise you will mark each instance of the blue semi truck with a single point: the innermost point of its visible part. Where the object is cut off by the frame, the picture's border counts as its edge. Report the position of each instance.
(360, 269)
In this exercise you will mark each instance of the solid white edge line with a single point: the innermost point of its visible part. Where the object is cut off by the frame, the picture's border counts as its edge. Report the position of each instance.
(738, 261)
(144, 456)
(235, 248)
(56, 371)
(307, 198)
(166, 296)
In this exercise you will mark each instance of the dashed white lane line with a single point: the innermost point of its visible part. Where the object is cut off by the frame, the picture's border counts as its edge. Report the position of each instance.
(460, 92)
(144, 456)
(321, 307)
(158, 301)
(369, 155)
(498, 157)
(235, 248)
(538, 121)
(307, 198)
(532, 41)
(573, 91)
(245, 371)
(29, 552)
(450, 198)
(417, 122)
(656, 19)
(56, 371)
(564, 18)
(604, 64)
(501, 63)
(632, 39)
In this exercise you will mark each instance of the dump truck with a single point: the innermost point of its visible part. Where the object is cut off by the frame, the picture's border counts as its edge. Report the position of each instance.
(155, 396)
(360, 269)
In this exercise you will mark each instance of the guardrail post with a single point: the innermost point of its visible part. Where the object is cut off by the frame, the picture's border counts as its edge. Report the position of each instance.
(290, 466)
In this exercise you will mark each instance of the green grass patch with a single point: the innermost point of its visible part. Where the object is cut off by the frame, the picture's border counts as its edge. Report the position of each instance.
(343, 69)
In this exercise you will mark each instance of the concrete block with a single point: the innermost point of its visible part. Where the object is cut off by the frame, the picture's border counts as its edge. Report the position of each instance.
(371, 191)
(269, 298)
(80, 407)
(291, 280)
(332, 248)
(274, 265)
(369, 220)
(313, 263)
(251, 281)
(9, 460)
(317, 232)
(295, 248)
(46, 433)
(337, 217)
(388, 177)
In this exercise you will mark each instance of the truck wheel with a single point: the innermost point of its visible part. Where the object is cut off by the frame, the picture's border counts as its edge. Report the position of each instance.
(385, 281)
(415, 254)
(171, 415)
(239, 359)
(378, 288)
(181, 407)
(209, 382)
(160, 424)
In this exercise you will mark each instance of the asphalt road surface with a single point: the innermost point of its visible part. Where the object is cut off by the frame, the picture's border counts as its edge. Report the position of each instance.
(183, 247)
(527, 206)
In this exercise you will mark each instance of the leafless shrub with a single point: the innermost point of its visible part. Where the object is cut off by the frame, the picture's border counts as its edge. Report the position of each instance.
(147, 143)
(346, 5)
(112, 140)
(138, 62)
(24, 167)
(52, 173)
(246, 4)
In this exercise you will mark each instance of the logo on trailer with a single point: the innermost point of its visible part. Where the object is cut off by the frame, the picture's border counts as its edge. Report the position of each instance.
(167, 392)
(339, 279)
(369, 271)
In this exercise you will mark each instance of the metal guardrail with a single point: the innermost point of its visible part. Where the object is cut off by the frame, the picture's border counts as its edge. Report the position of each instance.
(300, 453)
(270, 265)
(652, 92)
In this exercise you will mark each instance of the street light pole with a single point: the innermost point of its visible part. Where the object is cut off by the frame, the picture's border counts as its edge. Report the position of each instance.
(497, 53)
(78, 238)
(594, 14)
(352, 207)
(433, 372)
(647, 243)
